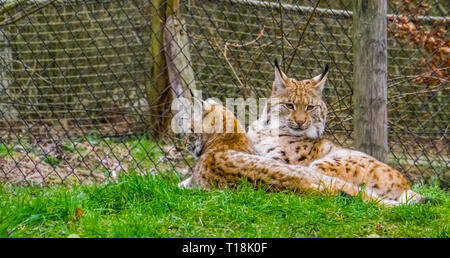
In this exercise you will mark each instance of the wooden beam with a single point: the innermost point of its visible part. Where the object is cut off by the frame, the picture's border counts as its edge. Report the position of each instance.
(178, 58)
(158, 90)
(369, 77)
(6, 63)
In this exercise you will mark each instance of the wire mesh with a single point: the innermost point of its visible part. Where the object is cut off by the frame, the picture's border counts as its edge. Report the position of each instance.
(74, 82)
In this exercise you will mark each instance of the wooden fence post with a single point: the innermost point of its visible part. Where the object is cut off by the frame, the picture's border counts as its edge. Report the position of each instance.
(369, 77)
(6, 63)
(178, 58)
(158, 90)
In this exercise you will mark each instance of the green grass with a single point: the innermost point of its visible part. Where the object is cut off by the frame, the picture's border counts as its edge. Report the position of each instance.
(52, 161)
(5, 151)
(68, 146)
(153, 206)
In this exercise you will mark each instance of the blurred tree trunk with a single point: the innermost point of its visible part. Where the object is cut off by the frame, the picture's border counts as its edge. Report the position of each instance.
(370, 77)
(6, 64)
(158, 91)
(178, 57)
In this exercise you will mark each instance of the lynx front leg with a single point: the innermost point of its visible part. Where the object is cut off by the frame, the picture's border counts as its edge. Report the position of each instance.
(187, 183)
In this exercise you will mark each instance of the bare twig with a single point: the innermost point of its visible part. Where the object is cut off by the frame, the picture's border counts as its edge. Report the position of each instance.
(445, 133)
(261, 33)
(403, 78)
(254, 58)
(398, 96)
(225, 49)
(27, 67)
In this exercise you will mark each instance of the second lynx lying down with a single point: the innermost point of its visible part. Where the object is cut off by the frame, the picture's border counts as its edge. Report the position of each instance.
(225, 159)
(302, 115)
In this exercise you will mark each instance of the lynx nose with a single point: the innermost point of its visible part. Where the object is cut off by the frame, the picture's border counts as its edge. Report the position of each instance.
(298, 125)
(302, 125)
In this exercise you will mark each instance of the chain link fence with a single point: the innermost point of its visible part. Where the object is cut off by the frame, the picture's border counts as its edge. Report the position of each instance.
(74, 77)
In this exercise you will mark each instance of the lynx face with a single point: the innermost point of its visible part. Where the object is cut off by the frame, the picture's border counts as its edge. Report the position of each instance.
(194, 138)
(194, 144)
(299, 104)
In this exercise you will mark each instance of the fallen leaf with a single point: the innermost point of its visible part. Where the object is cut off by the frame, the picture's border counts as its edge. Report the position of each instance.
(78, 213)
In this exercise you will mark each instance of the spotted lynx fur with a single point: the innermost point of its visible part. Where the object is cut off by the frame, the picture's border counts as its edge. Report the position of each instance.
(298, 140)
(225, 159)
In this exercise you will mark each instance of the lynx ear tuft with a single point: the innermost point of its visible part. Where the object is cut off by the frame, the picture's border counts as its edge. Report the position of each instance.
(323, 75)
(280, 78)
(276, 64)
(325, 72)
(212, 101)
(321, 79)
(207, 106)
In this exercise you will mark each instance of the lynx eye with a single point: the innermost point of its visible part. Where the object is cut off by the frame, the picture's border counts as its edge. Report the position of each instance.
(290, 106)
(309, 107)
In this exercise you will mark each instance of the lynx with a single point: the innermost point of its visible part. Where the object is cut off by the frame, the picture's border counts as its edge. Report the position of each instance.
(298, 140)
(224, 159)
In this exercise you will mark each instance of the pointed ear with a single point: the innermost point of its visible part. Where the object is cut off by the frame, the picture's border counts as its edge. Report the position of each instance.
(280, 78)
(319, 80)
(200, 108)
(207, 105)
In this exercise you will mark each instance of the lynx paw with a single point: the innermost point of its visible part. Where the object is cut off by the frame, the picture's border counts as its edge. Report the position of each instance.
(186, 183)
